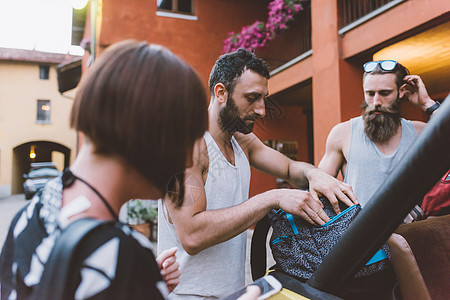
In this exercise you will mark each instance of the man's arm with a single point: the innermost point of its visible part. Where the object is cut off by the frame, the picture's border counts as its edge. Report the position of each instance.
(198, 228)
(299, 174)
(334, 159)
(415, 91)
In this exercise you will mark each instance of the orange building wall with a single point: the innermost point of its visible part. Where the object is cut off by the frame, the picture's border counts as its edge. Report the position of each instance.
(291, 127)
(334, 66)
(297, 73)
(327, 78)
(137, 19)
(337, 73)
(407, 15)
(351, 88)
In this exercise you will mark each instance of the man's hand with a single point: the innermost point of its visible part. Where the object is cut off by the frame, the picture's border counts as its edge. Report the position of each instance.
(416, 92)
(299, 203)
(167, 263)
(323, 184)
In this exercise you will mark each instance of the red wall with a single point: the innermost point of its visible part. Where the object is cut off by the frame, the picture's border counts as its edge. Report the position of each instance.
(198, 42)
(336, 60)
(335, 65)
(290, 126)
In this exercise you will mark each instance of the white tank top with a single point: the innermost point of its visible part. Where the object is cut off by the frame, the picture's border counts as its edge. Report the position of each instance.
(367, 166)
(220, 269)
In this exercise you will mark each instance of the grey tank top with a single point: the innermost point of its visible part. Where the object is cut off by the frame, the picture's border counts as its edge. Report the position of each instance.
(220, 269)
(367, 166)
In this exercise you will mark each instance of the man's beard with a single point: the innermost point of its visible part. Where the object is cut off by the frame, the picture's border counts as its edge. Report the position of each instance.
(381, 123)
(230, 121)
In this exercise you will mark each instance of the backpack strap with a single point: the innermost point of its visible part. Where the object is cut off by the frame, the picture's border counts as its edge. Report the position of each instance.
(258, 250)
(378, 256)
(290, 219)
(59, 266)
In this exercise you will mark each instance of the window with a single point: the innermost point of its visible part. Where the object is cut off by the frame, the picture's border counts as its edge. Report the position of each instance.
(177, 6)
(44, 72)
(43, 111)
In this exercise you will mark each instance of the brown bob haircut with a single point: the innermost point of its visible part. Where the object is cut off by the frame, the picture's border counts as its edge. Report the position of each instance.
(145, 104)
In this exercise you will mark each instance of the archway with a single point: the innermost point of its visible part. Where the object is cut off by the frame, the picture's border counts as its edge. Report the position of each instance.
(35, 151)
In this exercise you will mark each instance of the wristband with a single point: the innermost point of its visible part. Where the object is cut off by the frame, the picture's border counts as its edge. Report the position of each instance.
(432, 108)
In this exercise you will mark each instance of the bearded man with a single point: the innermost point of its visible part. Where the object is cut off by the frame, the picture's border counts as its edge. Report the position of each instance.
(209, 228)
(366, 149)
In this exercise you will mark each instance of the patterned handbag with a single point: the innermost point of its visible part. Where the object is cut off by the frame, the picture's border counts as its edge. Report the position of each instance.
(298, 247)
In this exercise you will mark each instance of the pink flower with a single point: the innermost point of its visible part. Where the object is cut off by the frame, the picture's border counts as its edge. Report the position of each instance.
(259, 33)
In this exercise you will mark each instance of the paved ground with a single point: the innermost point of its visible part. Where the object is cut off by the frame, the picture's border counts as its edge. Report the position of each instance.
(8, 207)
(11, 204)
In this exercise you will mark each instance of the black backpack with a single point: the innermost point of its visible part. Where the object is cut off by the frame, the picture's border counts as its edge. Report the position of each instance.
(71, 247)
(299, 247)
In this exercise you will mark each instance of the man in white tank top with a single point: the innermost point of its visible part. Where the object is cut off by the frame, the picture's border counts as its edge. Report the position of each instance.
(367, 148)
(209, 228)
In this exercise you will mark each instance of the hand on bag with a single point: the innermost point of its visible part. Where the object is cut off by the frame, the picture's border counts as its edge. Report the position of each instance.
(323, 184)
(299, 203)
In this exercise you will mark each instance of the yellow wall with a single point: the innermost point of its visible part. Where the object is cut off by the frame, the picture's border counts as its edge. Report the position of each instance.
(20, 88)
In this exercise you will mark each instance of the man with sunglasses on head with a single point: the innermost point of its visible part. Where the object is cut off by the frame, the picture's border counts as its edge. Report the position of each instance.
(366, 149)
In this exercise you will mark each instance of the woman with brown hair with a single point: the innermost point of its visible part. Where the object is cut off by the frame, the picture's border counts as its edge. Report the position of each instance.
(139, 108)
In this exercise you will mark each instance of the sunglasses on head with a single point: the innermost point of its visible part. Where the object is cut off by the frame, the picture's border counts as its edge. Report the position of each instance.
(386, 65)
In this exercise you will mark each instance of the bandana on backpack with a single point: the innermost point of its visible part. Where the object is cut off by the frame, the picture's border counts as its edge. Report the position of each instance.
(298, 247)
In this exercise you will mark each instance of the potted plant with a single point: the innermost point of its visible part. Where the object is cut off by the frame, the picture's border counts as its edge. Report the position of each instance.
(142, 216)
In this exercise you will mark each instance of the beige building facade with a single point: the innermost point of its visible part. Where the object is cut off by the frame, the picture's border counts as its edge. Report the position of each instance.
(34, 115)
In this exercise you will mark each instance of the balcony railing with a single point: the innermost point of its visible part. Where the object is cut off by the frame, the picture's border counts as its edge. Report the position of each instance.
(294, 44)
(353, 11)
(291, 43)
(305, 28)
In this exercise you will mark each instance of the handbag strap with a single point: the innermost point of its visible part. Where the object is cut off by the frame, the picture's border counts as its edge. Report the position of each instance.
(290, 219)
